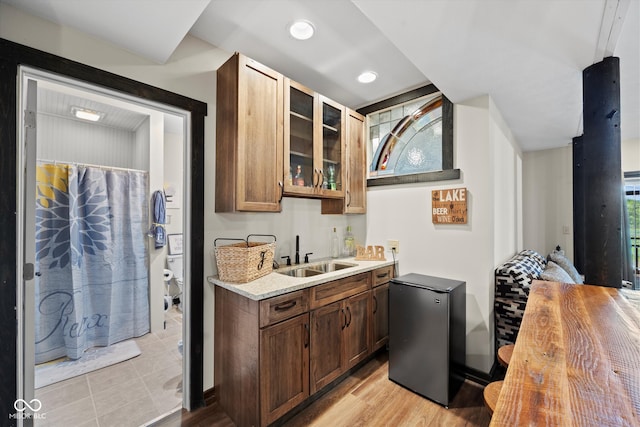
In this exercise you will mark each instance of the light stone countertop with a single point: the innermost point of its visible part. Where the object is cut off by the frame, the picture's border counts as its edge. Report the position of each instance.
(274, 284)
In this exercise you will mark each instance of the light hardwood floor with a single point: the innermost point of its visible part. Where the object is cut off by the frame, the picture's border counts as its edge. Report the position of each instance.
(366, 398)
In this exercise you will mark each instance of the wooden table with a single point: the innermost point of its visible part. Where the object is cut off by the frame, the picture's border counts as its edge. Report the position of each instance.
(576, 361)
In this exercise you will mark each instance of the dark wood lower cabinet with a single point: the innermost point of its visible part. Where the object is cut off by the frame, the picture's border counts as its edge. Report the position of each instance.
(356, 333)
(380, 316)
(327, 324)
(271, 355)
(284, 367)
(339, 338)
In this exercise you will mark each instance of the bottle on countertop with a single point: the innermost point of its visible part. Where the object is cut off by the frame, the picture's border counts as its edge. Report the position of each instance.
(349, 247)
(335, 247)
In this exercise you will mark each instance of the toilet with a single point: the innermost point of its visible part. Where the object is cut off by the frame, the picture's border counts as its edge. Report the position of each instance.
(175, 266)
(168, 275)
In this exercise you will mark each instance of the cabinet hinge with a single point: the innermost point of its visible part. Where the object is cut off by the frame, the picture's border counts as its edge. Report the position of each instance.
(30, 119)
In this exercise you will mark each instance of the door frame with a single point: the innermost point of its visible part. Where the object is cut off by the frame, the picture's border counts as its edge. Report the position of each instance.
(12, 55)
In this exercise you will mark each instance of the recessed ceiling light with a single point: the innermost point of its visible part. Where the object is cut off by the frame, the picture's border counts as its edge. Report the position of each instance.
(84, 114)
(301, 29)
(367, 77)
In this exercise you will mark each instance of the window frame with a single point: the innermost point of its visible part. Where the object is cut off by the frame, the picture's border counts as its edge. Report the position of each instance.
(447, 172)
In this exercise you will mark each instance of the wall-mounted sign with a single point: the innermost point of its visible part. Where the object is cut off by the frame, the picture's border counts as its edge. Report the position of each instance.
(449, 206)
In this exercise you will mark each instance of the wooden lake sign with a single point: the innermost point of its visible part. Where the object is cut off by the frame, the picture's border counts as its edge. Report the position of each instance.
(449, 206)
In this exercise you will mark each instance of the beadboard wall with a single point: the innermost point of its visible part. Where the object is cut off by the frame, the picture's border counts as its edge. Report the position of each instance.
(69, 140)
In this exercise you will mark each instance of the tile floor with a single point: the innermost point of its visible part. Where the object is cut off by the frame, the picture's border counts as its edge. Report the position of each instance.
(129, 393)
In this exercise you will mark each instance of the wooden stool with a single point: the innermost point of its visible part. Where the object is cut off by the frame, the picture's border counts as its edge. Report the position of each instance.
(491, 394)
(504, 354)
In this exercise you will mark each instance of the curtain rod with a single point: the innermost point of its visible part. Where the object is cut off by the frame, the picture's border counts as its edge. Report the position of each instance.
(55, 162)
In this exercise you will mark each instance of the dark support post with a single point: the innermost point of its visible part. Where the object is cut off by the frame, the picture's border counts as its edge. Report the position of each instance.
(579, 234)
(602, 175)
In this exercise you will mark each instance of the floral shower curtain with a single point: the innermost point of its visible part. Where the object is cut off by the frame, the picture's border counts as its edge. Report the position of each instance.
(91, 257)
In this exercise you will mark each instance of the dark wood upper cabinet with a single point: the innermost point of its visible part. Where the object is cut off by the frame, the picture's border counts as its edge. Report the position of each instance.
(249, 137)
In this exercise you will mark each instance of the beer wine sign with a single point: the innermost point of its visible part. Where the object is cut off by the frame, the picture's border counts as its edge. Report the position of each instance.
(449, 206)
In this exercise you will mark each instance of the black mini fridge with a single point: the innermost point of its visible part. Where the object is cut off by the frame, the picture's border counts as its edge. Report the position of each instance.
(427, 335)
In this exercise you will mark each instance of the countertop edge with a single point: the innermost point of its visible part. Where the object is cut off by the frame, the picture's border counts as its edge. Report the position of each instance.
(275, 284)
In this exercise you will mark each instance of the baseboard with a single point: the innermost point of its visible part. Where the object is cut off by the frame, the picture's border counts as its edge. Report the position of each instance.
(210, 396)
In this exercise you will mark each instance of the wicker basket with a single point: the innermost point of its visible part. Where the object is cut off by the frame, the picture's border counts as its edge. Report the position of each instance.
(245, 261)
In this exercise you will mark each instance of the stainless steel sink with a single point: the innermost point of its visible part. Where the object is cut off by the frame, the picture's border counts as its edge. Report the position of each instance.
(329, 266)
(300, 272)
(315, 268)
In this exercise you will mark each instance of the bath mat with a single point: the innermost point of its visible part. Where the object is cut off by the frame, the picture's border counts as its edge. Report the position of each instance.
(93, 359)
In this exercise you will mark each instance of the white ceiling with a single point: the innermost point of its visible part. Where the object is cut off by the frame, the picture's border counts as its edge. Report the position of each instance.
(528, 55)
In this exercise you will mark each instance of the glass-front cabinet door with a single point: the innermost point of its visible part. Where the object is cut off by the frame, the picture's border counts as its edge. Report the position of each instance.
(313, 143)
(300, 114)
(331, 149)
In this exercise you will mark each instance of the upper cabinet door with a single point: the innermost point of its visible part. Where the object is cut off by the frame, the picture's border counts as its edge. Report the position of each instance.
(331, 148)
(300, 111)
(355, 190)
(249, 137)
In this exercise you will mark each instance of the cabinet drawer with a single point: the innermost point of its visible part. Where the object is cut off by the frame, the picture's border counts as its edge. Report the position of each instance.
(339, 289)
(382, 275)
(282, 307)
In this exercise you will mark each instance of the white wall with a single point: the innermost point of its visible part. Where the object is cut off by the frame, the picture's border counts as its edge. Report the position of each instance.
(174, 177)
(548, 203)
(190, 72)
(465, 252)
(631, 155)
(154, 129)
(507, 187)
(142, 147)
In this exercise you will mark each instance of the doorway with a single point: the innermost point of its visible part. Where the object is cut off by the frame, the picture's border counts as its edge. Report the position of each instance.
(632, 204)
(47, 100)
